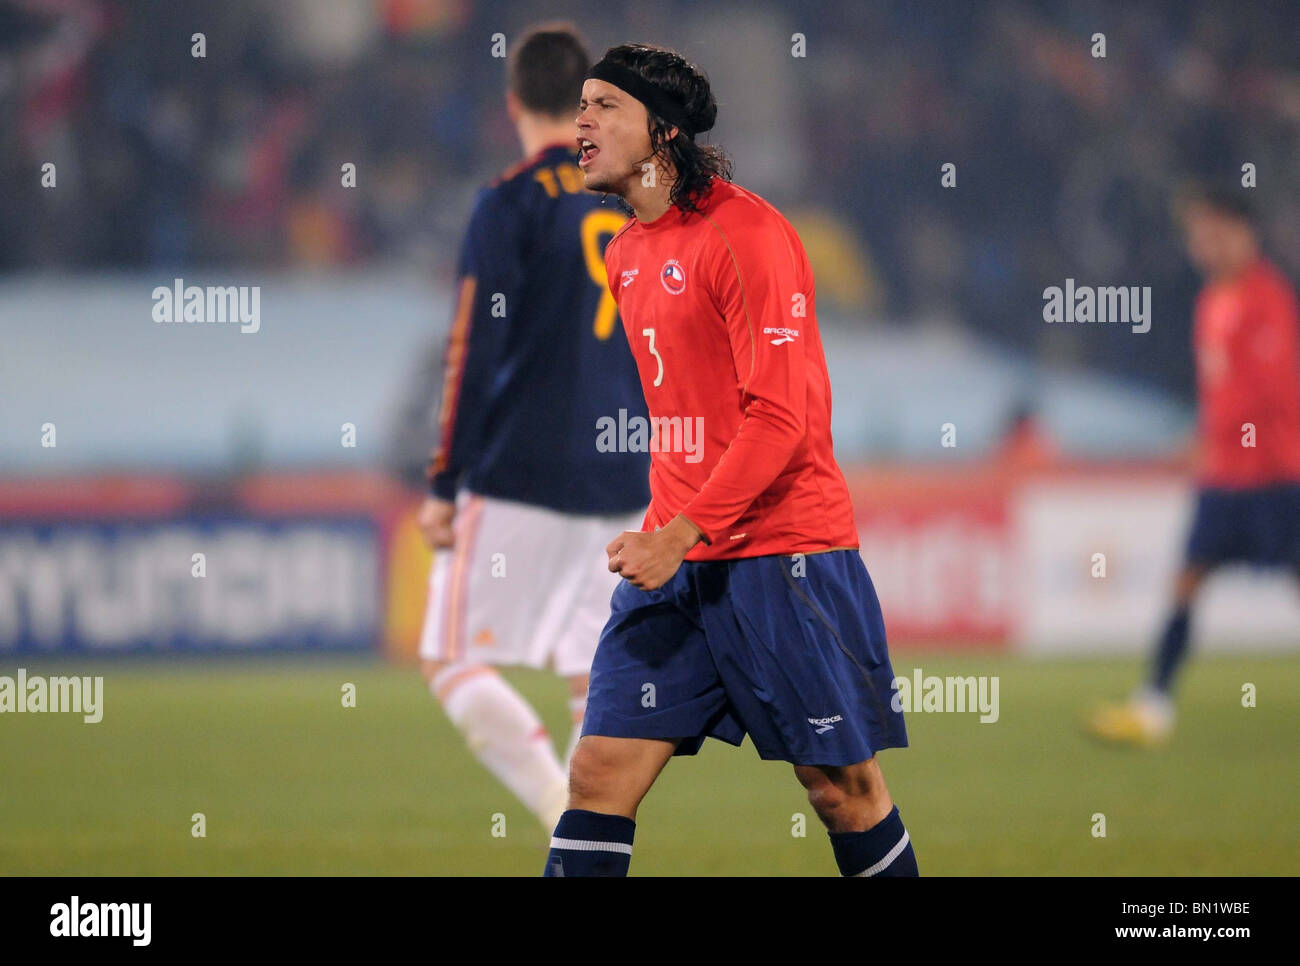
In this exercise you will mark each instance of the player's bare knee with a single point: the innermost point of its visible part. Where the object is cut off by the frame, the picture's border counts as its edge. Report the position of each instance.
(613, 774)
(827, 801)
(848, 798)
(590, 772)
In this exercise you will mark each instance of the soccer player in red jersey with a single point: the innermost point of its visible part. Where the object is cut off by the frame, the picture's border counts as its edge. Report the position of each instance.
(745, 606)
(1247, 342)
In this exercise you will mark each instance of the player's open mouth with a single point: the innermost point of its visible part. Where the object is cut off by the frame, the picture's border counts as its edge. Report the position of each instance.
(587, 151)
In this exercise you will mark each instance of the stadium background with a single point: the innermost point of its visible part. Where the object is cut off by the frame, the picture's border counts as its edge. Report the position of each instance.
(222, 694)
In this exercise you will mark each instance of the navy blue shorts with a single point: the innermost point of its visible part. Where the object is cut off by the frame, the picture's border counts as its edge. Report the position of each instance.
(789, 650)
(1259, 526)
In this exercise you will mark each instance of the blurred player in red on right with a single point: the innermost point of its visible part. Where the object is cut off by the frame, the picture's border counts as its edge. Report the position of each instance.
(1247, 341)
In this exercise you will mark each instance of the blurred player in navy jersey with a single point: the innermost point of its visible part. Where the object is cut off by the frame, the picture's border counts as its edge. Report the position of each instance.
(1247, 341)
(745, 606)
(522, 497)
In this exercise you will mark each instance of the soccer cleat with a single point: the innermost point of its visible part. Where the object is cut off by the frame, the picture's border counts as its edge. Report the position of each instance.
(1145, 721)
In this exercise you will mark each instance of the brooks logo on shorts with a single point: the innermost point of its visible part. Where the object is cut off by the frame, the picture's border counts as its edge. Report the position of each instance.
(825, 724)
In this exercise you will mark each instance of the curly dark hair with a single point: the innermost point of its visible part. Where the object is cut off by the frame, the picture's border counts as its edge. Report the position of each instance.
(696, 164)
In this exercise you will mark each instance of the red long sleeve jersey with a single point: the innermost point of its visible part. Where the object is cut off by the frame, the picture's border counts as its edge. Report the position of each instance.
(1247, 338)
(718, 307)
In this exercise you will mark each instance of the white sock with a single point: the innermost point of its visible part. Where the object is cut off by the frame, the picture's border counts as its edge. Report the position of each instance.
(577, 710)
(505, 734)
(1155, 707)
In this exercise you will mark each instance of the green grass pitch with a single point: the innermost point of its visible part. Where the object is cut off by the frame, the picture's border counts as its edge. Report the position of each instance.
(291, 782)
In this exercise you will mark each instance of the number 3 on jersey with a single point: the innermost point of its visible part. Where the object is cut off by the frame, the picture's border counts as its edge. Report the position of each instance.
(659, 376)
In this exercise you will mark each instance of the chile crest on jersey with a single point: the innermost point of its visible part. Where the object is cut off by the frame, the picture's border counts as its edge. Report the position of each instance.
(673, 276)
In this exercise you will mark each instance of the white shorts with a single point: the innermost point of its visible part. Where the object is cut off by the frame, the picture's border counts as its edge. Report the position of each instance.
(523, 585)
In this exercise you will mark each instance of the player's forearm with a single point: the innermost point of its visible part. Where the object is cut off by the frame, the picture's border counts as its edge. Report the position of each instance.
(443, 484)
(462, 425)
(681, 534)
(473, 347)
(753, 461)
(455, 451)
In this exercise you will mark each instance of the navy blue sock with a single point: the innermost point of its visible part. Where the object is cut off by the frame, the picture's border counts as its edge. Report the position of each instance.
(589, 843)
(1172, 650)
(882, 850)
